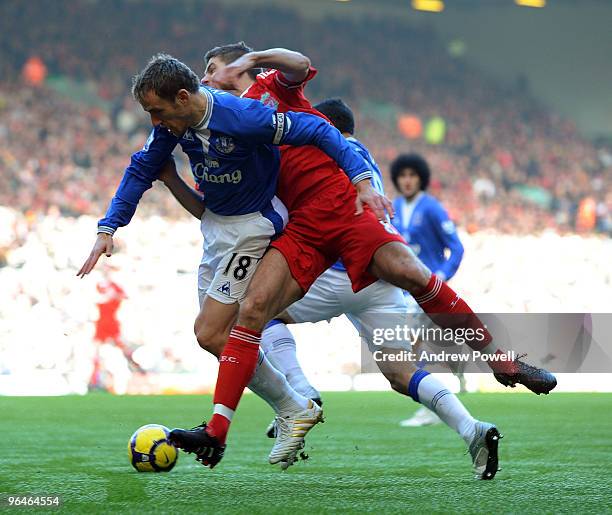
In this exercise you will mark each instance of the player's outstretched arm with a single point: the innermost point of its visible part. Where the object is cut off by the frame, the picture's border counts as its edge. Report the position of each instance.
(103, 245)
(190, 199)
(293, 65)
(138, 177)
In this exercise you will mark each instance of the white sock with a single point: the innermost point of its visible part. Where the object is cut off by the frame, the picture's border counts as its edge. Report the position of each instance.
(279, 345)
(435, 396)
(273, 387)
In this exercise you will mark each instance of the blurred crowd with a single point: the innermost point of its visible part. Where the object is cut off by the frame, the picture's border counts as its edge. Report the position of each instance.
(48, 316)
(68, 125)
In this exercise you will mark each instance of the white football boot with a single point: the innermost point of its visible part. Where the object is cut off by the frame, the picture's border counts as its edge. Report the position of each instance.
(291, 429)
(422, 417)
(483, 449)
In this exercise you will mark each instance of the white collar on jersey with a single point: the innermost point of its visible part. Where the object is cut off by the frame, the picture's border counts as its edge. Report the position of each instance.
(203, 123)
(407, 209)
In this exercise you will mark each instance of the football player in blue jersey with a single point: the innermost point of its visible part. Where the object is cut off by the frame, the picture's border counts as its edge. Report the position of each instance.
(421, 219)
(231, 145)
(431, 234)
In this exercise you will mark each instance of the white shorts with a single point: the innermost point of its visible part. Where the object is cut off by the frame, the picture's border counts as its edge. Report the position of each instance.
(233, 247)
(379, 306)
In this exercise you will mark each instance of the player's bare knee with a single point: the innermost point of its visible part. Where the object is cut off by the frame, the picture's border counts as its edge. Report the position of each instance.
(410, 275)
(253, 311)
(208, 340)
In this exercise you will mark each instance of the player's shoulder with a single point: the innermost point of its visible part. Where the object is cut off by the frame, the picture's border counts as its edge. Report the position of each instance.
(266, 74)
(359, 147)
(277, 79)
(159, 137)
(355, 142)
(222, 102)
(218, 97)
(432, 205)
(428, 199)
(268, 80)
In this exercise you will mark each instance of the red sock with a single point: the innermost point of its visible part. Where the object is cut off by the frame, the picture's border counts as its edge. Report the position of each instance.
(236, 367)
(447, 309)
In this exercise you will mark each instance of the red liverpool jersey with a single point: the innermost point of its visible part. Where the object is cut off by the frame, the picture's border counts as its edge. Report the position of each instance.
(111, 296)
(305, 171)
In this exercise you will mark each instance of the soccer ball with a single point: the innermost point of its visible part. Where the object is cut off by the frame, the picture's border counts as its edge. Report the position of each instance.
(150, 450)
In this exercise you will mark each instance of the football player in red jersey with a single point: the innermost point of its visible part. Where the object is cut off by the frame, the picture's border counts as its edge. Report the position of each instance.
(323, 226)
(108, 328)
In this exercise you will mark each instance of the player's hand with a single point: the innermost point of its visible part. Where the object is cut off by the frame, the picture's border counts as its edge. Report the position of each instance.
(227, 77)
(378, 203)
(103, 245)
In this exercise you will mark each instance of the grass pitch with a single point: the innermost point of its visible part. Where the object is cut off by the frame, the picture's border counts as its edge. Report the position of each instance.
(555, 457)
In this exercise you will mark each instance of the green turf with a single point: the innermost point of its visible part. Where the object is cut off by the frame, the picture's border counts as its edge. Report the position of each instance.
(556, 457)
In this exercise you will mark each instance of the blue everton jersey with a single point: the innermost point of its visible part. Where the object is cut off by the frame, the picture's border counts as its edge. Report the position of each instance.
(377, 179)
(233, 156)
(425, 225)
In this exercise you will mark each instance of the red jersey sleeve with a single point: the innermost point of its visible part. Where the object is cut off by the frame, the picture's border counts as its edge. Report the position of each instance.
(289, 93)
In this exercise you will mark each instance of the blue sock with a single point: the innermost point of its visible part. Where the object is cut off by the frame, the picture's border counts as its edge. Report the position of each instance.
(413, 385)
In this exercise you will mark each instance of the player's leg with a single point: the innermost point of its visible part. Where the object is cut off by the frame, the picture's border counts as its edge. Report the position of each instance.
(427, 390)
(214, 323)
(382, 307)
(240, 353)
(213, 326)
(416, 318)
(272, 289)
(422, 416)
(385, 308)
(94, 378)
(240, 244)
(278, 344)
(217, 318)
(395, 263)
(321, 302)
(233, 248)
(482, 438)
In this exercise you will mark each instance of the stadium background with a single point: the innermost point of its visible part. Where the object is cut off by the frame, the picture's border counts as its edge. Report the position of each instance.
(510, 105)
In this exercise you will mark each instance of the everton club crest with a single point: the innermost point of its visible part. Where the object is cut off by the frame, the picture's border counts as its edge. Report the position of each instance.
(225, 144)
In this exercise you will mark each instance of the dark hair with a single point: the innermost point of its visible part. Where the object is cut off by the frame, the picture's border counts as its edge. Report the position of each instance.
(338, 113)
(165, 76)
(229, 53)
(413, 162)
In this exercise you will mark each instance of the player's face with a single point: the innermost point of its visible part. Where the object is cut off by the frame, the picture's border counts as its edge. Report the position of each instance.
(409, 183)
(175, 116)
(214, 65)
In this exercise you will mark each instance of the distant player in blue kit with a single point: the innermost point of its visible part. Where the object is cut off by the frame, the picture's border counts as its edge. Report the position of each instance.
(431, 234)
(421, 219)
